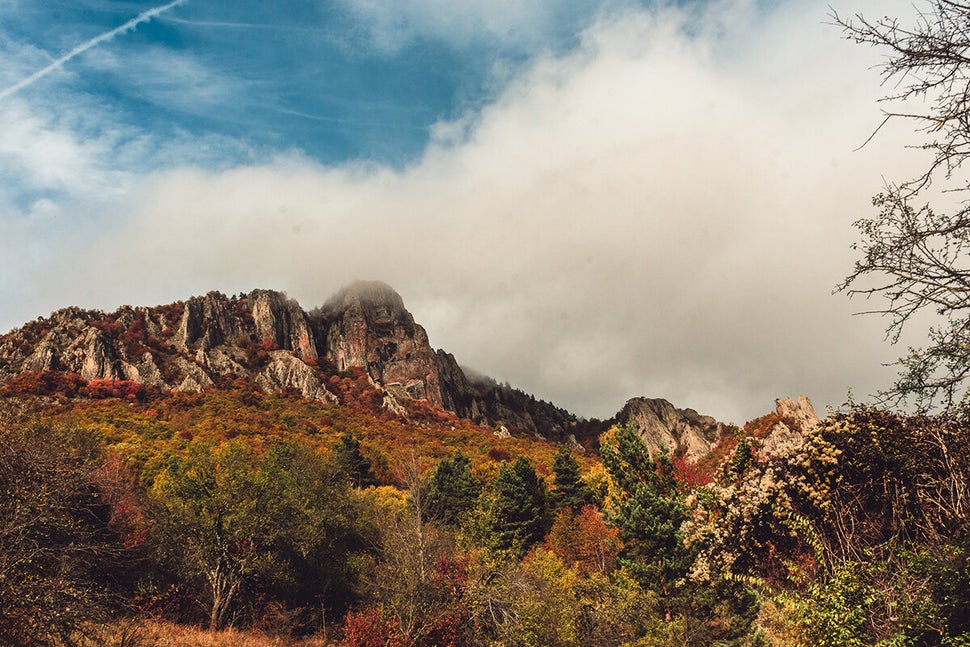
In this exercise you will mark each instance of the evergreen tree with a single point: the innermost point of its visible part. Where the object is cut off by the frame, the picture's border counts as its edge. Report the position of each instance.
(355, 465)
(647, 508)
(570, 492)
(452, 490)
(521, 507)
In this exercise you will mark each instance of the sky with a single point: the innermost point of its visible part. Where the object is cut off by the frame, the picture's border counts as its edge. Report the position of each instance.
(591, 200)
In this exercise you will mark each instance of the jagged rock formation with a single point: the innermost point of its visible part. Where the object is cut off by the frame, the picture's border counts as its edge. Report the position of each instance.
(794, 418)
(663, 426)
(366, 325)
(262, 337)
(267, 340)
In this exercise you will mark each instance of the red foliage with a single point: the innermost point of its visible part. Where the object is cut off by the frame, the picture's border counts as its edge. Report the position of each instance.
(44, 383)
(371, 628)
(119, 492)
(691, 474)
(125, 389)
(424, 411)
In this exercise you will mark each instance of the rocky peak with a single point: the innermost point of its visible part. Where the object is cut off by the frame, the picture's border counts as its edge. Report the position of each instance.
(284, 322)
(794, 418)
(366, 325)
(661, 425)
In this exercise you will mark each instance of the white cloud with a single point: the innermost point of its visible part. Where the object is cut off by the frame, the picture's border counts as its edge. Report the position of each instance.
(654, 214)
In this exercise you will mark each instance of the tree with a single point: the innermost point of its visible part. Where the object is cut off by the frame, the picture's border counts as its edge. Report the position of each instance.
(314, 530)
(60, 562)
(207, 511)
(570, 492)
(417, 585)
(234, 518)
(452, 490)
(915, 257)
(583, 540)
(647, 508)
(521, 507)
(352, 461)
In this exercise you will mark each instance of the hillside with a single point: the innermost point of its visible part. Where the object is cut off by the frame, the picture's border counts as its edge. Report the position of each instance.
(269, 343)
(238, 469)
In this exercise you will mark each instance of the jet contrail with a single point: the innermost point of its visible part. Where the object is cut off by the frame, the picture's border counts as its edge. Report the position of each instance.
(83, 47)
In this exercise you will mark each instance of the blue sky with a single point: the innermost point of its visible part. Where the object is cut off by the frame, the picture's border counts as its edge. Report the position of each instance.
(592, 200)
(337, 80)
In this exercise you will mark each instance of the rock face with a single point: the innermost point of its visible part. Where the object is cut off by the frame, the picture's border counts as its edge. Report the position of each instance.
(795, 417)
(366, 325)
(262, 337)
(664, 427)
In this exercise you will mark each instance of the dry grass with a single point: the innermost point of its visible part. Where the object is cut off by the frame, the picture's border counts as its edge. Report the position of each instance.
(152, 633)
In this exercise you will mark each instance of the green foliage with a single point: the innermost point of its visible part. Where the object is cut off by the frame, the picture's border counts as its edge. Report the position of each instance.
(314, 530)
(452, 490)
(570, 489)
(519, 508)
(353, 463)
(647, 507)
(232, 518)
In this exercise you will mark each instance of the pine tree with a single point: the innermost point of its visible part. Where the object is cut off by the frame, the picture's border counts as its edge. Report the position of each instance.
(647, 508)
(521, 507)
(570, 492)
(452, 490)
(354, 464)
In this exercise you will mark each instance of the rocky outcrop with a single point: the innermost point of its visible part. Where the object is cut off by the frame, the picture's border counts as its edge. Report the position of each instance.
(285, 372)
(284, 322)
(366, 325)
(795, 417)
(262, 337)
(663, 427)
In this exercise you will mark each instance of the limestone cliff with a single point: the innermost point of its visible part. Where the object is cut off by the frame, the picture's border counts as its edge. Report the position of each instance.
(190, 346)
(663, 426)
(366, 325)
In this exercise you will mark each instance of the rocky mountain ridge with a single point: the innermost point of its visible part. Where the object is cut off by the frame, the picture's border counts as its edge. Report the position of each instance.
(268, 341)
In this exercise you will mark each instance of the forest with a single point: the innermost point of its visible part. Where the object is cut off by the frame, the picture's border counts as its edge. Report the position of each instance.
(160, 519)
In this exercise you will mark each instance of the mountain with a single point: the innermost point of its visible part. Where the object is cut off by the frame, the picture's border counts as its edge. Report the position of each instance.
(663, 426)
(266, 340)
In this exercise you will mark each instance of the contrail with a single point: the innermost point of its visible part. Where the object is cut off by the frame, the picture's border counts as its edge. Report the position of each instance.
(83, 47)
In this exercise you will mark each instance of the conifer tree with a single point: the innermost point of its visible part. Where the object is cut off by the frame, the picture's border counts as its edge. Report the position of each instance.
(570, 491)
(521, 507)
(452, 490)
(354, 464)
(647, 508)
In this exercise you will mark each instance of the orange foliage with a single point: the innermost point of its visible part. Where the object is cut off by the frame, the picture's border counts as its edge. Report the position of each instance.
(584, 541)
